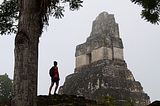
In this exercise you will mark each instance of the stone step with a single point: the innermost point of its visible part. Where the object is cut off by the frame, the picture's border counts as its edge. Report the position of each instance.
(64, 100)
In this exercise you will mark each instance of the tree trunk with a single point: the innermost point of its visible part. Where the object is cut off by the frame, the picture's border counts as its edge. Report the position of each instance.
(24, 90)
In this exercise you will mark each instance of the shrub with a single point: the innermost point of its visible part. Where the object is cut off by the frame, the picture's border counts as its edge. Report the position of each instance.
(107, 100)
(130, 102)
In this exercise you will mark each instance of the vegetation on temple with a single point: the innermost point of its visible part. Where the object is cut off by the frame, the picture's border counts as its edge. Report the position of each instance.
(109, 101)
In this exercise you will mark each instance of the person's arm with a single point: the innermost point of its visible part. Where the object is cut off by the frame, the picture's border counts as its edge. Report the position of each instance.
(58, 73)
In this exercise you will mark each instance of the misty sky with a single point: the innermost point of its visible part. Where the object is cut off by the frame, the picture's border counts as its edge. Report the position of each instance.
(60, 38)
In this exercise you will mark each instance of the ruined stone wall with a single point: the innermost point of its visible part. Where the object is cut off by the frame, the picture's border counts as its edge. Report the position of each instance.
(105, 77)
(103, 42)
(99, 48)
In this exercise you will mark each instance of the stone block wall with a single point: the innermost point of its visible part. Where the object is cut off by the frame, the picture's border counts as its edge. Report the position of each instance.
(99, 48)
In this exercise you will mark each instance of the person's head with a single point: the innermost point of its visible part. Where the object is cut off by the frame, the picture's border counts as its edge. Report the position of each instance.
(55, 63)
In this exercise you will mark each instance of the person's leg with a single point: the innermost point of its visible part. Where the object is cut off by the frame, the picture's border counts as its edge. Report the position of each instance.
(50, 88)
(57, 84)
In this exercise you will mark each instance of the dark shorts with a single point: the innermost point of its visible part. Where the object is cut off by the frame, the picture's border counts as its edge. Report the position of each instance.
(54, 79)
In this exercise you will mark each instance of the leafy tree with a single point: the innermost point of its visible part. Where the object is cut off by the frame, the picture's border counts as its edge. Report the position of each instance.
(5, 88)
(8, 17)
(9, 12)
(107, 100)
(31, 15)
(151, 10)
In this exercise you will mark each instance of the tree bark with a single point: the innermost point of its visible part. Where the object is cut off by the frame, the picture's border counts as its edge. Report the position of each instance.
(24, 90)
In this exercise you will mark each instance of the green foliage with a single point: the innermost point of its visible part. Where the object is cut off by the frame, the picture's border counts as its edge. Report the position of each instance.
(56, 8)
(9, 12)
(5, 88)
(107, 100)
(8, 16)
(151, 10)
(130, 102)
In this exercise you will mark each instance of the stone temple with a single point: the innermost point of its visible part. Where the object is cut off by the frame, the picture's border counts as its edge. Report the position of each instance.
(100, 67)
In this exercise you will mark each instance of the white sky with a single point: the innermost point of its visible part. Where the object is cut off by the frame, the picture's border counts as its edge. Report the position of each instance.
(140, 40)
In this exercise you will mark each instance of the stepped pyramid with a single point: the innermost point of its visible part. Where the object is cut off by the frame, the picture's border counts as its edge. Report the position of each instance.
(100, 66)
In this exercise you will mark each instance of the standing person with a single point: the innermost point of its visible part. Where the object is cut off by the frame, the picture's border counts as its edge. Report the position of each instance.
(55, 78)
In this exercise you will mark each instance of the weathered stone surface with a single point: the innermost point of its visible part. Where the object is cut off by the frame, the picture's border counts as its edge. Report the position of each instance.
(64, 100)
(60, 100)
(101, 69)
(103, 42)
